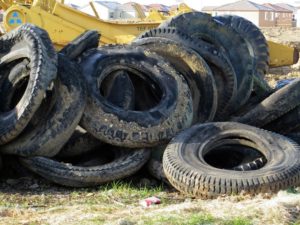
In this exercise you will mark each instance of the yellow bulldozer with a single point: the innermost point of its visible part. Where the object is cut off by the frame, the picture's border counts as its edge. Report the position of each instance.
(64, 23)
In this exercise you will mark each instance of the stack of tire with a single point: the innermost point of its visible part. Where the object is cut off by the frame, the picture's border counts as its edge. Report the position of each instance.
(88, 115)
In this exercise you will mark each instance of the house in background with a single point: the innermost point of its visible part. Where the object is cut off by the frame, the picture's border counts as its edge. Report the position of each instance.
(209, 9)
(295, 10)
(283, 17)
(126, 11)
(160, 8)
(105, 9)
(260, 15)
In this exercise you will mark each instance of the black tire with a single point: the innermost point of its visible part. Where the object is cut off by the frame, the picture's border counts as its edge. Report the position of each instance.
(119, 90)
(252, 34)
(128, 128)
(87, 40)
(194, 69)
(216, 59)
(257, 44)
(155, 166)
(25, 42)
(14, 85)
(56, 127)
(287, 123)
(187, 171)
(200, 25)
(79, 144)
(279, 103)
(124, 163)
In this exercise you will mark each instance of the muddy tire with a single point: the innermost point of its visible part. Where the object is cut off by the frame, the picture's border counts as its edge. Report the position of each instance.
(187, 170)
(277, 104)
(202, 26)
(119, 90)
(257, 44)
(129, 128)
(155, 166)
(252, 34)
(195, 71)
(79, 144)
(56, 126)
(87, 40)
(286, 123)
(25, 42)
(217, 60)
(124, 163)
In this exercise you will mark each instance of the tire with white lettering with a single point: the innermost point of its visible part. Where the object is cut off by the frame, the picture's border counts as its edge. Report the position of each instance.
(188, 169)
(121, 163)
(55, 127)
(25, 43)
(195, 71)
(130, 128)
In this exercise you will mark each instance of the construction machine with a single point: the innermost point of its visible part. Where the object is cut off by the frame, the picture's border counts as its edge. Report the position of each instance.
(64, 23)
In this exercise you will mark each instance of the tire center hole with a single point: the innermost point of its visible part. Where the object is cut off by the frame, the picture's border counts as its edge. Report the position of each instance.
(146, 93)
(235, 157)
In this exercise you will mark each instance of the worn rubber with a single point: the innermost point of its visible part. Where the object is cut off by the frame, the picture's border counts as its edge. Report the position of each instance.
(253, 35)
(56, 127)
(287, 123)
(128, 128)
(155, 166)
(257, 44)
(216, 59)
(119, 90)
(79, 144)
(87, 40)
(279, 103)
(125, 163)
(25, 42)
(194, 69)
(14, 84)
(200, 25)
(187, 171)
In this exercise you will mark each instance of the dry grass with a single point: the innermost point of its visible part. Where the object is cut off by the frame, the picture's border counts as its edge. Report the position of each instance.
(118, 203)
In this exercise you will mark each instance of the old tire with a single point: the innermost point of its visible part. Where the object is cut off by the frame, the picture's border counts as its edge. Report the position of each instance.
(217, 60)
(87, 40)
(188, 172)
(254, 37)
(277, 104)
(155, 166)
(79, 144)
(124, 163)
(25, 42)
(200, 25)
(128, 128)
(55, 127)
(257, 44)
(194, 69)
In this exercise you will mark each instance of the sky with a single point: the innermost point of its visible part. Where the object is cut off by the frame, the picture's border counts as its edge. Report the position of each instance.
(196, 4)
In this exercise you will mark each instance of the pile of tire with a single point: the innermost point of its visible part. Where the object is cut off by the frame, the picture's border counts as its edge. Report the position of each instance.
(186, 100)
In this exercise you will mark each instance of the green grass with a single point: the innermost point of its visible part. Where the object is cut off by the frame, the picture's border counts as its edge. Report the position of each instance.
(192, 219)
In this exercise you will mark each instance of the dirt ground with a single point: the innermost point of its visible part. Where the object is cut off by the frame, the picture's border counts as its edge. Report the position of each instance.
(32, 201)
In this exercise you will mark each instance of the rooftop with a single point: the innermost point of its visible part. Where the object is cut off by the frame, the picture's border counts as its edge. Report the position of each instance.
(243, 5)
